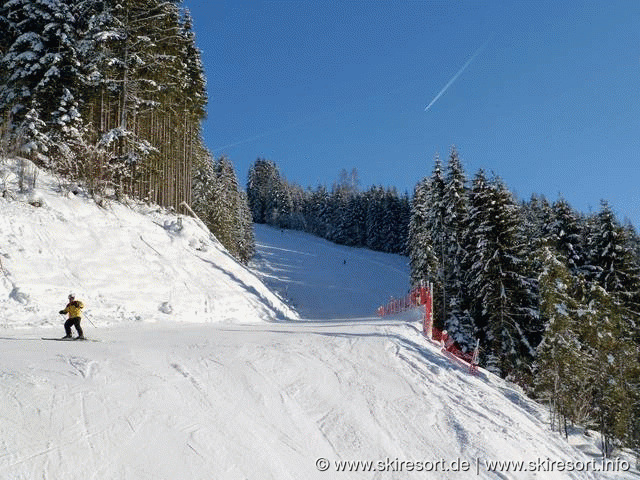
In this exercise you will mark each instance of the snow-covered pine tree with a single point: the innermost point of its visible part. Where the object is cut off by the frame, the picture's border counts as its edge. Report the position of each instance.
(316, 211)
(191, 94)
(340, 218)
(562, 363)
(393, 222)
(357, 228)
(536, 227)
(297, 195)
(423, 261)
(348, 213)
(613, 261)
(246, 242)
(614, 371)
(435, 220)
(566, 234)
(538, 219)
(222, 206)
(224, 214)
(479, 249)
(376, 229)
(40, 78)
(500, 285)
(612, 290)
(282, 208)
(633, 238)
(262, 186)
(402, 224)
(458, 322)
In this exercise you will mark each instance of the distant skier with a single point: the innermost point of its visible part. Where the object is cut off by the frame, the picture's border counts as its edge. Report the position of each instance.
(74, 310)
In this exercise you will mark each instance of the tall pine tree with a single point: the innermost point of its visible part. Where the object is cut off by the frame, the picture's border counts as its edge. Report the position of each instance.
(502, 291)
(458, 321)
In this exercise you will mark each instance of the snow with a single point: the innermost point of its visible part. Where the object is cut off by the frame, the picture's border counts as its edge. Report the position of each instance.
(323, 280)
(126, 264)
(202, 372)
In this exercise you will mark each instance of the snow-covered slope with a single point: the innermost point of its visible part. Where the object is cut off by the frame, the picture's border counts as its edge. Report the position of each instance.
(324, 280)
(246, 398)
(125, 264)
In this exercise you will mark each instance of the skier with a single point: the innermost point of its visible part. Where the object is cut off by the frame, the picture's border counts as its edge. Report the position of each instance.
(74, 310)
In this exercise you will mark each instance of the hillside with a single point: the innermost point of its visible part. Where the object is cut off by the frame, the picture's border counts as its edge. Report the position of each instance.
(322, 280)
(127, 264)
(201, 372)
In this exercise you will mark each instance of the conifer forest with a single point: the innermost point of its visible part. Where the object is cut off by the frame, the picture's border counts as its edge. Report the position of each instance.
(552, 294)
(112, 94)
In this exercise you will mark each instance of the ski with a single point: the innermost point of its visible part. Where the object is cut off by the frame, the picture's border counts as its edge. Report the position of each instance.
(64, 339)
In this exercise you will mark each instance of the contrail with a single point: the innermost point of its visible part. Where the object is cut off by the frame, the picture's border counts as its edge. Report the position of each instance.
(270, 132)
(455, 77)
(257, 137)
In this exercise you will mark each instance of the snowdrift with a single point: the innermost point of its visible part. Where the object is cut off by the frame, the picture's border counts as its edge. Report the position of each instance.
(127, 264)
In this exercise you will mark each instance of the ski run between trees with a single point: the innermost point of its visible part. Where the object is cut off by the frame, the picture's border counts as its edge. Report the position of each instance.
(251, 390)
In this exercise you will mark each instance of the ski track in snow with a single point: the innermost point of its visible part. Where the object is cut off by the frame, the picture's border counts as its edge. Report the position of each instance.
(255, 401)
(251, 391)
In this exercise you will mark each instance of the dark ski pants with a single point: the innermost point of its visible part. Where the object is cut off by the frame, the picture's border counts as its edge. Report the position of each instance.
(73, 322)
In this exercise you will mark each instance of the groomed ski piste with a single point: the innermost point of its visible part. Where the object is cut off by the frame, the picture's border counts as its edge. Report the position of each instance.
(206, 369)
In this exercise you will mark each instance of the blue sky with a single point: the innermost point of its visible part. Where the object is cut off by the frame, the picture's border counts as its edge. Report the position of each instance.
(550, 100)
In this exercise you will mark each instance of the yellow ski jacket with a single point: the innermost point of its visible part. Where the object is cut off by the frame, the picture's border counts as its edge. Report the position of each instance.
(74, 309)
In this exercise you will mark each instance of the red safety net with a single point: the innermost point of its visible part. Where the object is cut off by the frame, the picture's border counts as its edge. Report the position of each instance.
(416, 297)
(422, 295)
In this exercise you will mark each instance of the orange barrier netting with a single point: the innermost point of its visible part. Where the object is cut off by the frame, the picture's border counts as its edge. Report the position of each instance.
(417, 296)
(422, 295)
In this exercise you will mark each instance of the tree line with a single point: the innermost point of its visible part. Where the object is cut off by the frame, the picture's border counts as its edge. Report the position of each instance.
(113, 94)
(553, 295)
(377, 218)
(110, 92)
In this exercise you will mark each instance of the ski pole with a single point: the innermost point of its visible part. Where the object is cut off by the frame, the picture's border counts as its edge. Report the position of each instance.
(86, 314)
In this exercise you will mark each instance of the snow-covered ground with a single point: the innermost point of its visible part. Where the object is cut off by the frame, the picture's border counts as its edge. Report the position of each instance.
(125, 264)
(323, 280)
(202, 373)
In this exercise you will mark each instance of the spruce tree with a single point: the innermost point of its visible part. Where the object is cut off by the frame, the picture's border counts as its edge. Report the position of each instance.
(340, 216)
(479, 249)
(613, 263)
(538, 220)
(562, 364)
(458, 322)
(316, 211)
(263, 188)
(502, 291)
(357, 226)
(614, 370)
(423, 261)
(435, 219)
(223, 207)
(376, 227)
(566, 234)
(40, 78)
(246, 243)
